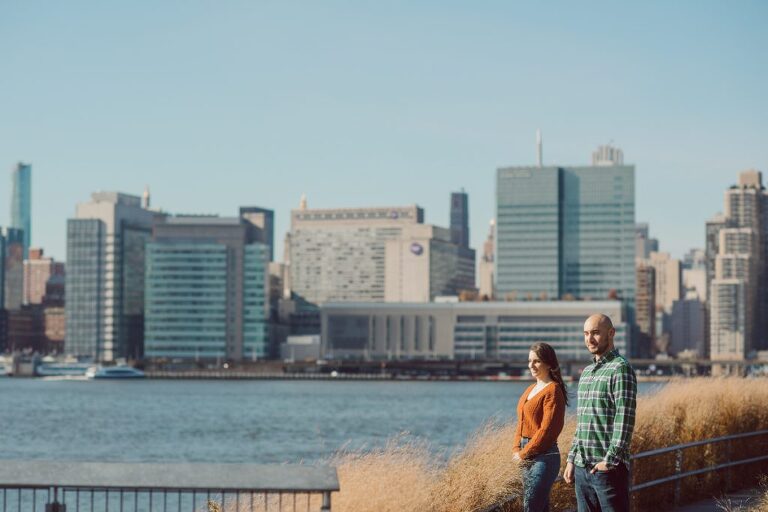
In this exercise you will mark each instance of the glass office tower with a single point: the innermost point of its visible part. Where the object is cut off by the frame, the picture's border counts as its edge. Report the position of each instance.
(21, 202)
(566, 233)
(206, 290)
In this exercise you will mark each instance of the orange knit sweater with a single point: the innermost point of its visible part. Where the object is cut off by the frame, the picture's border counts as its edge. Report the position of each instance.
(541, 419)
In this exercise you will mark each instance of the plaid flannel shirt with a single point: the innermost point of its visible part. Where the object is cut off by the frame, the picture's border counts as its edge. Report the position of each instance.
(605, 414)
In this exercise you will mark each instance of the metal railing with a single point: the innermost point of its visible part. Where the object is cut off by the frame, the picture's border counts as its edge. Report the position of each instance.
(679, 474)
(32, 486)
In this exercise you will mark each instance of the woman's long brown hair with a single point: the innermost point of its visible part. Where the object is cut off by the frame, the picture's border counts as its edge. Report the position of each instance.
(547, 354)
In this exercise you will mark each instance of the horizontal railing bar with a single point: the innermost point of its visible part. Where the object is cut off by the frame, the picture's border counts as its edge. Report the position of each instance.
(232, 477)
(692, 444)
(695, 472)
(186, 490)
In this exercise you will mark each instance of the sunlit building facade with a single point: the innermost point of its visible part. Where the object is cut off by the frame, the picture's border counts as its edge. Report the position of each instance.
(105, 277)
(462, 330)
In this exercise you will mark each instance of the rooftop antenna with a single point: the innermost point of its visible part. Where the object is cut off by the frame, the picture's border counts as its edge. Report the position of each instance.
(539, 149)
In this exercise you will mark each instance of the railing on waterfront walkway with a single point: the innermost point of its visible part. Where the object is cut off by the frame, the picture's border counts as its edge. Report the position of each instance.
(679, 474)
(31, 486)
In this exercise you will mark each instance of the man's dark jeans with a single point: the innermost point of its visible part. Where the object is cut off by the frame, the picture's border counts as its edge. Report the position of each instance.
(603, 491)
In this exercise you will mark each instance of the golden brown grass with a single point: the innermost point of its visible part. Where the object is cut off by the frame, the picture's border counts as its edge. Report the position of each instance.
(407, 477)
(762, 501)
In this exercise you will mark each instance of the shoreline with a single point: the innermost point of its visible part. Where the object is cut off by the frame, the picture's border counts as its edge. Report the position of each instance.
(236, 375)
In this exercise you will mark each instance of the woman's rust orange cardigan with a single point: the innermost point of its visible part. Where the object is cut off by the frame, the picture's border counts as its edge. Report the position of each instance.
(541, 419)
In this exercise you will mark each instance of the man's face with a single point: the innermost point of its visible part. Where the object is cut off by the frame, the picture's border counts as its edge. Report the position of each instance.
(598, 337)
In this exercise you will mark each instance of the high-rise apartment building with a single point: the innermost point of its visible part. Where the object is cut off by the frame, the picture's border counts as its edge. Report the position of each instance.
(21, 203)
(565, 232)
(669, 279)
(645, 309)
(38, 269)
(736, 255)
(373, 254)
(688, 320)
(105, 276)
(206, 290)
(695, 274)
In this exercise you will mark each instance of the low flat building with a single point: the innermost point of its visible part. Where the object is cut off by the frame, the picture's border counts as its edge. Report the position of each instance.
(462, 330)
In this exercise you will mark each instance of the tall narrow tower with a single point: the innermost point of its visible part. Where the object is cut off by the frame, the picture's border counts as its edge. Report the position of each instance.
(460, 218)
(21, 203)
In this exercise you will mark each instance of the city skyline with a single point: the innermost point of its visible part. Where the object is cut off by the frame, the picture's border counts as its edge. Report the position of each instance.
(246, 104)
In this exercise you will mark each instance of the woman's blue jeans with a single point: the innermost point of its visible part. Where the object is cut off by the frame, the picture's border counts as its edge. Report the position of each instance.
(539, 474)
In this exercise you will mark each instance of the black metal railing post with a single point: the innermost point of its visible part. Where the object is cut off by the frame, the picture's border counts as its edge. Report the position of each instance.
(55, 506)
(678, 470)
(326, 501)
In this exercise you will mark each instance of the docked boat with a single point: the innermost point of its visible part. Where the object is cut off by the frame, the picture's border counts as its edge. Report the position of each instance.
(114, 372)
(62, 369)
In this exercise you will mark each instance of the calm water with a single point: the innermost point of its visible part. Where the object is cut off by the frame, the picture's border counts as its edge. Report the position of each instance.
(237, 421)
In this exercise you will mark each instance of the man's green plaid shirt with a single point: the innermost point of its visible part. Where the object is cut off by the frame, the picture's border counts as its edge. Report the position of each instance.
(605, 413)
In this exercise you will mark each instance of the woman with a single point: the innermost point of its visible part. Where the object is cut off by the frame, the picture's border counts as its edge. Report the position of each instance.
(540, 418)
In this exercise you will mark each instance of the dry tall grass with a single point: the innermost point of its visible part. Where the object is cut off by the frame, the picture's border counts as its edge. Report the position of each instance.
(406, 477)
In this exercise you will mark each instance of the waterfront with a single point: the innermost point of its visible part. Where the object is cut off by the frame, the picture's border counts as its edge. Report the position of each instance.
(238, 421)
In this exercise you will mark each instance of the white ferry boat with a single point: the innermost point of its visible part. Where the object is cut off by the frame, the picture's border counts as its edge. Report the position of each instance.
(114, 372)
(62, 369)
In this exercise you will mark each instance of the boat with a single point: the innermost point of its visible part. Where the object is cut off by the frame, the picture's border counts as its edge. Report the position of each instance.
(61, 369)
(114, 372)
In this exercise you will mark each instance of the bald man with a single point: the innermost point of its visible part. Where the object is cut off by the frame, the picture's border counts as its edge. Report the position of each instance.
(598, 461)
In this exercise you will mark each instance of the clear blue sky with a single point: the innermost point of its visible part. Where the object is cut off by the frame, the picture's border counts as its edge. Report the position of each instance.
(222, 104)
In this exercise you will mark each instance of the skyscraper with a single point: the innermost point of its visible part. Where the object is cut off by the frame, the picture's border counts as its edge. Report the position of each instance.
(645, 307)
(669, 280)
(206, 290)
(736, 251)
(21, 203)
(566, 232)
(105, 276)
(460, 218)
(13, 269)
(460, 237)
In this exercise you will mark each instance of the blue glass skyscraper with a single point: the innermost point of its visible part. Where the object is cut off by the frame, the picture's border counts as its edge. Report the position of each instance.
(566, 233)
(21, 202)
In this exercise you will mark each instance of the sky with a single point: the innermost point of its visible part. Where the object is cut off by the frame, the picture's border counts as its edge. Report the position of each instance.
(216, 105)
